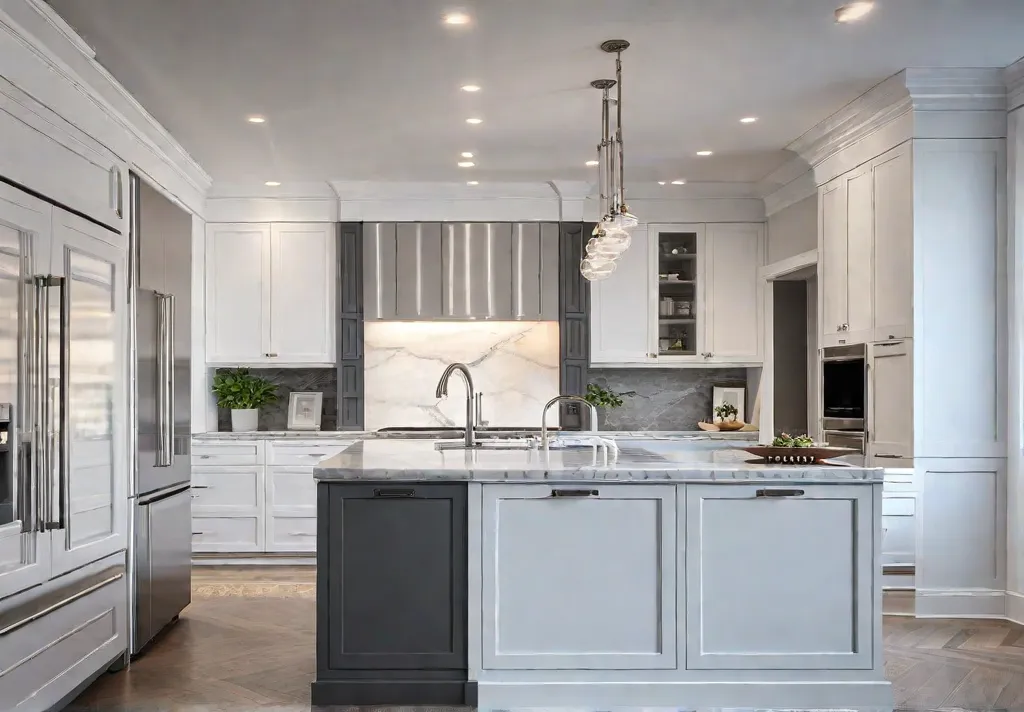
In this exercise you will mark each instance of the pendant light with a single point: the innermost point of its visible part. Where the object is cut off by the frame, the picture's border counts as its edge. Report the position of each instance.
(611, 236)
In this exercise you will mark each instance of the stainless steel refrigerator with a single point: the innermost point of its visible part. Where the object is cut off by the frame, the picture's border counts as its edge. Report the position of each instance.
(160, 512)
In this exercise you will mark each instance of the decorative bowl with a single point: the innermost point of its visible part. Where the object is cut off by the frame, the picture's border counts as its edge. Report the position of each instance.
(729, 425)
(797, 455)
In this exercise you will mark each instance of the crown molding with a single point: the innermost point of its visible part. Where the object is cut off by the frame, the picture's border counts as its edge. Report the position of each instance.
(925, 90)
(138, 137)
(1014, 78)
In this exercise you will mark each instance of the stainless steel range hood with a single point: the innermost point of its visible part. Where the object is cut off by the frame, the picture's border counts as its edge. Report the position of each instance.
(460, 271)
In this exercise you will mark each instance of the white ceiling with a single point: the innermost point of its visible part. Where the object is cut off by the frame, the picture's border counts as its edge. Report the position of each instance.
(369, 89)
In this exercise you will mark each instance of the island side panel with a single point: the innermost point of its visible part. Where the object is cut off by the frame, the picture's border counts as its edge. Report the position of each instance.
(391, 594)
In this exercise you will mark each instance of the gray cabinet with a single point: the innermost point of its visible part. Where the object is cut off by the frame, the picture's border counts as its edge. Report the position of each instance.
(778, 577)
(460, 271)
(391, 594)
(613, 546)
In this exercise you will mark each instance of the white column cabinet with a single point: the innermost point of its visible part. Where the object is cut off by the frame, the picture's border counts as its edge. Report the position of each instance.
(684, 294)
(859, 251)
(270, 293)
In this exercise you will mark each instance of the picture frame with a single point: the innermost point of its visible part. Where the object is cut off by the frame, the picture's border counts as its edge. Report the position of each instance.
(734, 395)
(305, 410)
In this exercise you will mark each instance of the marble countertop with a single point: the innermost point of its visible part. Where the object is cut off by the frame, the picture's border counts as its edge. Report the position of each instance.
(442, 433)
(420, 460)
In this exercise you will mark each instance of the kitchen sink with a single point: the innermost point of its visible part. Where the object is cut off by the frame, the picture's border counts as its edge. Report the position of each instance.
(488, 445)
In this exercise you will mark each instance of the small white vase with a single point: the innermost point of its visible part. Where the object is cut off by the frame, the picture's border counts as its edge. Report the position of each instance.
(244, 420)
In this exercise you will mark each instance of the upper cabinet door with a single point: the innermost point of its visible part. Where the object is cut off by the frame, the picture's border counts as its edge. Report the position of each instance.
(894, 244)
(859, 248)
(238, 278)
(678, 265)
(890, 404)
(832, 263)
(734, 254)
(620, 308)
(302, 276)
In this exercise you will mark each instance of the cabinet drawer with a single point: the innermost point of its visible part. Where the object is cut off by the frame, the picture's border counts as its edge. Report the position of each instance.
(291, 533)
(291, 488)
(226, 488)
(303, 452)
(226, 534)
(243, 452)
(898, 506)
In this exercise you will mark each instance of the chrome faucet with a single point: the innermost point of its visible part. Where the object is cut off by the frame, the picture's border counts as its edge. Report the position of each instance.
(442, 392)
(591, 418)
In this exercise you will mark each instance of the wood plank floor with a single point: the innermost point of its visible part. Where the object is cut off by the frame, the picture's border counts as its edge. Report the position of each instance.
(247, 643)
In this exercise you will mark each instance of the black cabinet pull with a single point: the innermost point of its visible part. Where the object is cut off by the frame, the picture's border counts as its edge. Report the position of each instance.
(395, 492)
(780, 493)
(574, 493)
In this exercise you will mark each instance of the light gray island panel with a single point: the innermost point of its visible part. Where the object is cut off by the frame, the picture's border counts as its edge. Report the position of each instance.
(579, 577)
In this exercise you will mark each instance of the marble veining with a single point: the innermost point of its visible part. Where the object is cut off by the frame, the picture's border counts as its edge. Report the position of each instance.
(420, 460)
(514, 365)
(662, 398)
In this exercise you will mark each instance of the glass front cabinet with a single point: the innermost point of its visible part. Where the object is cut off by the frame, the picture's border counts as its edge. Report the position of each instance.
(682, 294)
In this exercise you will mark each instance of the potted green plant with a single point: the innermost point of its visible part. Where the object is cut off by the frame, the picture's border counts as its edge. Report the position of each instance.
(725, 415)
(603, 399)
(243, 394)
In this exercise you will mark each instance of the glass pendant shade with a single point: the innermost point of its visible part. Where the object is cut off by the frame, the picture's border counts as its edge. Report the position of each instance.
(595, 268)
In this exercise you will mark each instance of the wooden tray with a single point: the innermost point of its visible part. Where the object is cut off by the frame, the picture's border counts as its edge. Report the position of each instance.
(797, 455)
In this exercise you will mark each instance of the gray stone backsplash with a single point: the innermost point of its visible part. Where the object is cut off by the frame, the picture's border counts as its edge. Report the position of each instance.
(662, 398)
(275, 416)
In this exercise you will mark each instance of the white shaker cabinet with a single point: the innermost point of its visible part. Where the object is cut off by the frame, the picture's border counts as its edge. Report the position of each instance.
(753, 554)
(270, 293)
(620, 304)
(732, 298)
(613, 545)
(893, 227)
(890, 421)
(682, 295)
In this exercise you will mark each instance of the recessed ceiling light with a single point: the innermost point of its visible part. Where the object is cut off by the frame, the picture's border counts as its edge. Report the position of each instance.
(748, 119)
(467, 154)
(466, 164)
(470, 87)
(257, 119)
(661, 182)
(456, 18)
(679, 182)
(472, 182)
(272, 183)
(704, 153)
(853, 11)
(474, 120)
(592, 163)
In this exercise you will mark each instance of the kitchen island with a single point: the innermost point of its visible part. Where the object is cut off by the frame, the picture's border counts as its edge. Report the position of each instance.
(681, 576)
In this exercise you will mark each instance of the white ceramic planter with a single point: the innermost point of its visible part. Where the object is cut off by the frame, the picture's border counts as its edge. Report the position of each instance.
(244, 420)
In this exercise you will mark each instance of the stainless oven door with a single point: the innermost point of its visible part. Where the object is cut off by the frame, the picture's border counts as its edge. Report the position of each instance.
(851, 439)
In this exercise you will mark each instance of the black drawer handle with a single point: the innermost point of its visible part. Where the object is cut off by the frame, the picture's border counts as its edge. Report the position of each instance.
(397, 492)
(890, 457)
(574, 493)
(780, 493)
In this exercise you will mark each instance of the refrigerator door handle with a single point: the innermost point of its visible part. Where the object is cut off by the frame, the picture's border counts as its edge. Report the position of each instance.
(63, 421)
(165, 381)
(43, 495)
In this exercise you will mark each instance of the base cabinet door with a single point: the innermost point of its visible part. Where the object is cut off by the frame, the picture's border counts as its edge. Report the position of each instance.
(779, 577)
(392, 582)
(579, 577)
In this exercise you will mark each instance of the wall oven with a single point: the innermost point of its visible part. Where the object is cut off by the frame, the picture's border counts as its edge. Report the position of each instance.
(844, 388)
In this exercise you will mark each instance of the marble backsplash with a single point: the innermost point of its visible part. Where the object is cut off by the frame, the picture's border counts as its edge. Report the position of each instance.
(662, 398)
(514, 365)
(275, 415)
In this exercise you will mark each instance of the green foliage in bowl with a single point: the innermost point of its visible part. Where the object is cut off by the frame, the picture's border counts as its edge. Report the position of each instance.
(787, 440)
(238, 389)
(726, 411)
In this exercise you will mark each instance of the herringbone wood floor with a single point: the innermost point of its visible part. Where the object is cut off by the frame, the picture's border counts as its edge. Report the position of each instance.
(232, 652)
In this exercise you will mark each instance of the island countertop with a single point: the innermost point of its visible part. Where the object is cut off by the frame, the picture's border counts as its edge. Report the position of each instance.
(420, 460)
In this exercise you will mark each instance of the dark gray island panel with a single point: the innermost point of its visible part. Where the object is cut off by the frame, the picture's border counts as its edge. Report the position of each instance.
(391, 594)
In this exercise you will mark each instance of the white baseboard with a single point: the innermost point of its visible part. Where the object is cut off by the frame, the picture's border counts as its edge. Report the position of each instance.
(757, 695)
(960, 603)
(1015, 607)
